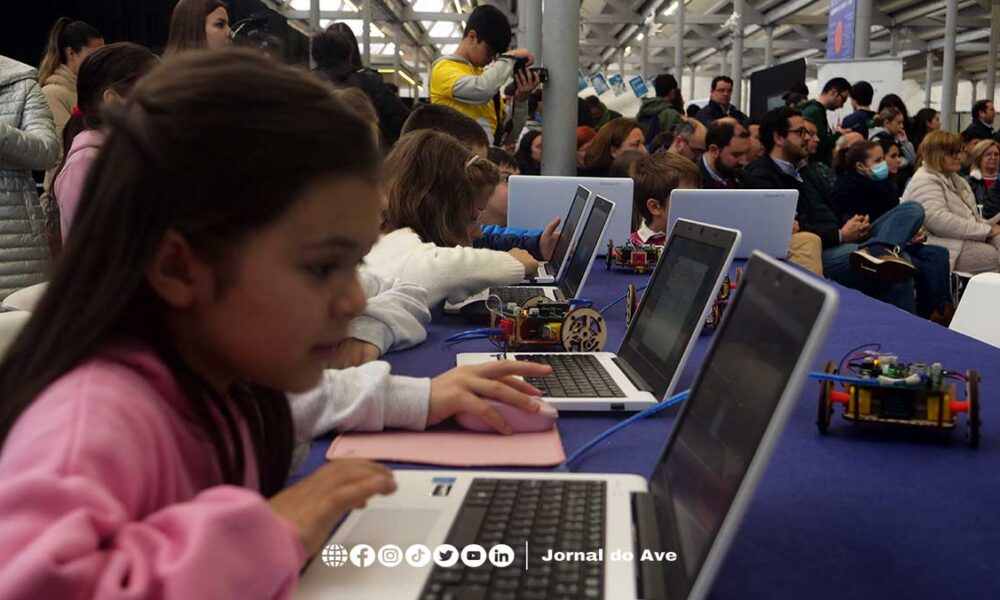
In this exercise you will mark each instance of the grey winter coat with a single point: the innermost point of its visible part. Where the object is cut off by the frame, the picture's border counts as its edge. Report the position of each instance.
(27, 143)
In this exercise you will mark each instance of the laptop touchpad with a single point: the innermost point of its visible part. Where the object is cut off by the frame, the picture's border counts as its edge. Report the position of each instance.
(393, 526)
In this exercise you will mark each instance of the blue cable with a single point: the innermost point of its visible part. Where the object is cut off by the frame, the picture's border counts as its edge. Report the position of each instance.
(619, 299)
(857, 380)
(675, 399)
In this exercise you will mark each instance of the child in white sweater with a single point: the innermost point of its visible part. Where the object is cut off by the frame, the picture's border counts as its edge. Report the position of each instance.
(431, 218)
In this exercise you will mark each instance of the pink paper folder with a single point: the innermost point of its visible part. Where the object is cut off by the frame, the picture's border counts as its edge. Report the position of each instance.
(453, 448)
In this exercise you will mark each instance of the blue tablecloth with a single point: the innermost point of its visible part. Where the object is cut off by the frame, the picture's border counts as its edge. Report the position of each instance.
(862, 512)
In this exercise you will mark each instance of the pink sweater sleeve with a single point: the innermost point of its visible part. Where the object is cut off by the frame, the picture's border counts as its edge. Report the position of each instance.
(97, 501)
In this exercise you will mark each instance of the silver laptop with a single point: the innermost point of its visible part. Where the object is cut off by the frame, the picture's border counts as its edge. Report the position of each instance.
(551, 270)
(692, 505)
(533, 199)
(579, 259)
(764, 217)
(660, 338)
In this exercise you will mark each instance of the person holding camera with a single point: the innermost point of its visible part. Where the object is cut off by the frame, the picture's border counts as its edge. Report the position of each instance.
(462, 81)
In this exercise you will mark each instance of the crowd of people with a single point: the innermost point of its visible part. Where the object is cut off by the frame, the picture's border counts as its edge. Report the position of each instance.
(230, 243)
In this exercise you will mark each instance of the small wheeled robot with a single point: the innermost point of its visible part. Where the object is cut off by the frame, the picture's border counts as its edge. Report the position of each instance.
(629, 255)
(543, 323)
(722, 300)
(714, 315)
(884, 390)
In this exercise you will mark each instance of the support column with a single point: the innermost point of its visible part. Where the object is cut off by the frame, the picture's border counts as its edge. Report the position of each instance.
(313, 26)
(679, 41)
(894, 40)
(645, 52)
(769, 47)
(366, 33)
(724, 63)
(862, 29)
(397, 63)
(739, 7)
(561, 54)
(948, 89)
(928, 79)
(694, 73)
(529, 12)
(620, 58)
(991, 73)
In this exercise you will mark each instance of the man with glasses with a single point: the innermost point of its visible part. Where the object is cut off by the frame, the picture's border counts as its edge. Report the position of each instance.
(689, 141)
(461, 81)
(835, 94)
(856, 253)
(718, 106)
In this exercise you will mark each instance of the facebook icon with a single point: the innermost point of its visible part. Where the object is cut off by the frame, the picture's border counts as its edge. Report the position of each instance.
(362, 555)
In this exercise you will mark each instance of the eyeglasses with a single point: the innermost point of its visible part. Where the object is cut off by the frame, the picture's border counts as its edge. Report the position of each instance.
(803, 132)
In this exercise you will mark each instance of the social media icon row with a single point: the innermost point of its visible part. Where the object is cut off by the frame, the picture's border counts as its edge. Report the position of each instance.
(418, 555)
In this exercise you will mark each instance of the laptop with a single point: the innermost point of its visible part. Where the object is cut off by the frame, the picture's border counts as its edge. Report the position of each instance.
(532, 201)
(692, 505)
(764, 217)
(549, 271)
(657, 343)
(579, 259)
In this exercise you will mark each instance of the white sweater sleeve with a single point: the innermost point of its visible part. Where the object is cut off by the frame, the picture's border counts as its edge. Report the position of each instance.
(365, 398)
(453, 273)
(396, 313)
(480, 89)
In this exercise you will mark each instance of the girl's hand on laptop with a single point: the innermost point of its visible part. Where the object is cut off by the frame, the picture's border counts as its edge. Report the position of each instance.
(525, 258)
(467, 389)
(315, 504)
(547, 241)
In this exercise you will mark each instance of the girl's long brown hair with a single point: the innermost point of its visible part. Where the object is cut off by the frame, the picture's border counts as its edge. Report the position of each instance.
(598, 155)
(66, 33)
(187, 25)
(213, 146)
(428, 188)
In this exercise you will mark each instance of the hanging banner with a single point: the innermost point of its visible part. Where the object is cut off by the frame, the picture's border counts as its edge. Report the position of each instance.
(840, 30)
(581, 80)
(638, 85)
(599, 83)
(617, 84)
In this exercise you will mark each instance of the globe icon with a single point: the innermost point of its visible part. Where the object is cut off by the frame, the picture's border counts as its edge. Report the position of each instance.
(334, 555)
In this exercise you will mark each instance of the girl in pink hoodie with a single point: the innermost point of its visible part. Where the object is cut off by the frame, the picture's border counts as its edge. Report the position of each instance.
(145, 431)
(105, 77)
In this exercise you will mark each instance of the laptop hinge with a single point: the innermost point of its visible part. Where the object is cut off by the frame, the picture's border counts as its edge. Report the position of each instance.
(650, 582)
(633, 375)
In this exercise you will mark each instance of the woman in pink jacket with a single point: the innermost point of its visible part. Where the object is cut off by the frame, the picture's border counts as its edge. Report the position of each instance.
(106, 77)
(145, 431)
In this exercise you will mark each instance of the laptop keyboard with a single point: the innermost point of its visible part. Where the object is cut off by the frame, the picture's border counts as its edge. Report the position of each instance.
(548, 515)
(573, 376)
(517, 294)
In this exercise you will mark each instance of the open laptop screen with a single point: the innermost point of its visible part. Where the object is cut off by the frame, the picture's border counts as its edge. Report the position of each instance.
(731, 405)
(674, 302)
(569, 228)
(583, 254)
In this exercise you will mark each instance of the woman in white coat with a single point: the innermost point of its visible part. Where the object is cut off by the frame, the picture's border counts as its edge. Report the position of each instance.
(27, 143)
(951, 218)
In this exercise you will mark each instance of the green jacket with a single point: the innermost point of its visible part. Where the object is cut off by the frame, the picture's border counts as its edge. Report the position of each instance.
(669, 117)
(816, 112)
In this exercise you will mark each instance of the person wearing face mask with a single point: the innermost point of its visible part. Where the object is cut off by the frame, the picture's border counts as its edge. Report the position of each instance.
(864, 187)
(857, 252)
(893, 126)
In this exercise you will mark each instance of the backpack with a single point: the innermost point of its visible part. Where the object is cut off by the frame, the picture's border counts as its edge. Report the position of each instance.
(650, 128)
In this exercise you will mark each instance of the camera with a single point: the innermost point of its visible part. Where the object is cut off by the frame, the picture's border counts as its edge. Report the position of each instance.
(521, 64)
